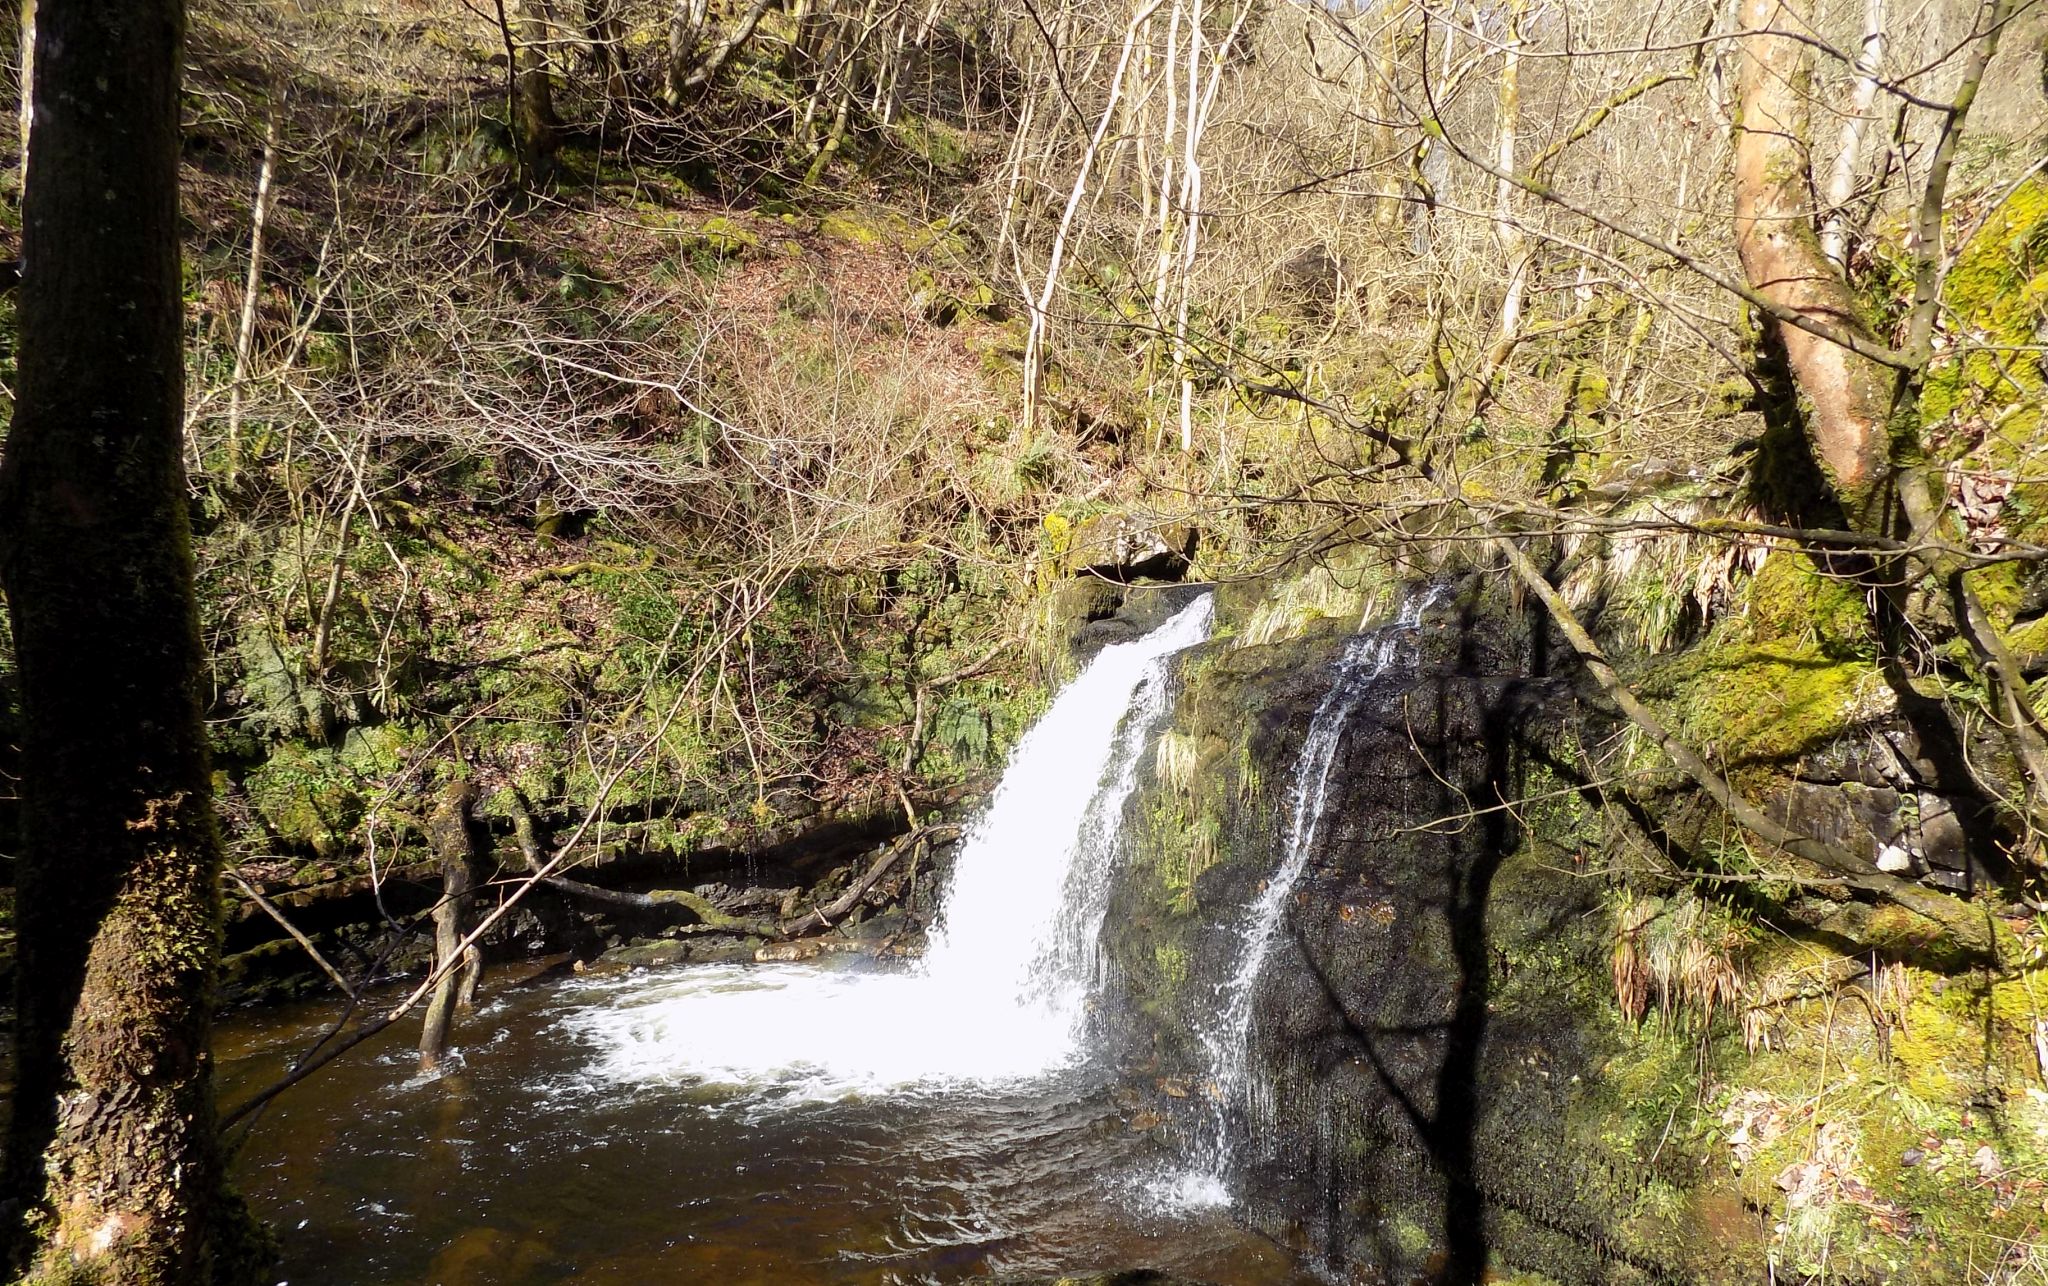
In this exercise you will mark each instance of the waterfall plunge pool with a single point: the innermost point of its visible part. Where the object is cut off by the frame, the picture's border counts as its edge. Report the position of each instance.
(856, 1122)
(534, 1161)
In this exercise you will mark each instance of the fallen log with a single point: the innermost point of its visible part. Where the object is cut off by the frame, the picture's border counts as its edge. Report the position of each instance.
(659, 902)
(820, 918)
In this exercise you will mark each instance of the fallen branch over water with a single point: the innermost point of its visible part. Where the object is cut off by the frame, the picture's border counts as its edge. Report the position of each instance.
(659, 902)
(269, 908)
(823, 917)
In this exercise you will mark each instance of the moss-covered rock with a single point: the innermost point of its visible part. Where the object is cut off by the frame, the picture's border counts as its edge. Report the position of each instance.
(722, 237)
(1996, 298)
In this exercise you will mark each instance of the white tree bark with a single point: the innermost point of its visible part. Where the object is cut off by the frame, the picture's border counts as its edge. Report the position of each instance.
(1834, 232)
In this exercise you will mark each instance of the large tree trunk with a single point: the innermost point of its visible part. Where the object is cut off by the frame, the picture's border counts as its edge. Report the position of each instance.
(1861, 418)
(111, 1149)
(1849, 397)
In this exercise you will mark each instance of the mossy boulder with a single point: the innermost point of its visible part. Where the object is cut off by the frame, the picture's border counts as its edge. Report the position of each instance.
(1989, 400)
(943, 302)
(863, 227)
(307, 797)
(722, 237)
(1127, 546)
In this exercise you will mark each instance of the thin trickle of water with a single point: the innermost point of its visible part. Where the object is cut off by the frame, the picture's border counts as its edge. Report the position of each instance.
(1233, 1089)
(1001, 993)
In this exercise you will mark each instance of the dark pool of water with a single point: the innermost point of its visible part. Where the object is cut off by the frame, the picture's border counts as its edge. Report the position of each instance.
(520, 1167)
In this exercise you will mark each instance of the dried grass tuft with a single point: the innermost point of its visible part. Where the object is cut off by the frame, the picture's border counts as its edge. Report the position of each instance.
(1682, 955)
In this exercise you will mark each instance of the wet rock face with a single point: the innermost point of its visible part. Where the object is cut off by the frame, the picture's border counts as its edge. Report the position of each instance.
(1437, 1006)
(1417, 1081)
(1097, 613)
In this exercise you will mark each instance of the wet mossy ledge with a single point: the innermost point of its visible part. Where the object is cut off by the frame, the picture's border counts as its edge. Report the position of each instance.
(1541, 1006)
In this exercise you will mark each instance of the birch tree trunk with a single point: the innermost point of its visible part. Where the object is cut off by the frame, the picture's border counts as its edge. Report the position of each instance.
(1849, 396)
(1507, 233)
(1834, 232)
(1034, 337)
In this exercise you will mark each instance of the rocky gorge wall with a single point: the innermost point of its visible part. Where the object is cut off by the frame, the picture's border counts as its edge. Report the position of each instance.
(1510, 1031)
(1431, 1028)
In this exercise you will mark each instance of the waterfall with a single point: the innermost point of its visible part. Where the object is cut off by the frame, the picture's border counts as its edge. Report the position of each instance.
(1226, 1042)
(1001, 993)
(1044, 844)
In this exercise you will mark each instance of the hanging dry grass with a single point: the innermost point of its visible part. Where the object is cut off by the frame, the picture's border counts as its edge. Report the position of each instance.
(1682, 954)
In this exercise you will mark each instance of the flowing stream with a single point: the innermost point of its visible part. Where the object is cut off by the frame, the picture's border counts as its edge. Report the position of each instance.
(845, 1121)
(1238, 1094)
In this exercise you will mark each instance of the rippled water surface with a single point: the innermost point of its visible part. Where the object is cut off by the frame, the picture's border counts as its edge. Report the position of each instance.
(535, 1162)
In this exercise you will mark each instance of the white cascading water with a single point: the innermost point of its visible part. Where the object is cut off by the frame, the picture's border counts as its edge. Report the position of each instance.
(1227, 1041)
(1002, 990)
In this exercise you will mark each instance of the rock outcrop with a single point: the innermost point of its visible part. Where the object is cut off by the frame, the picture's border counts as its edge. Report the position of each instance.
(1434, 1029)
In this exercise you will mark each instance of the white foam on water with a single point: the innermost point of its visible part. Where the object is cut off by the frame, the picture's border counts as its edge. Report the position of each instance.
(1001, 993)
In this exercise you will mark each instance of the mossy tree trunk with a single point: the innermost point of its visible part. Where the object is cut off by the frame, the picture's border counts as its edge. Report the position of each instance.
(1863, 416)
(111, 1149)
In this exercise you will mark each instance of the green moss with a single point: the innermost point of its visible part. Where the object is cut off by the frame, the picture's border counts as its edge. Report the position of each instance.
(1182, 845)
(1409, 1237)
(1891, 1131)
(1792, 601)
(865, 228)
(306, 796)
(1996, 299)
(937, 144)
(1765, 702)
(705, 912)
(942, 302)
(2000, 588)
(719, 238)
(375, 752)
(1173, 964)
